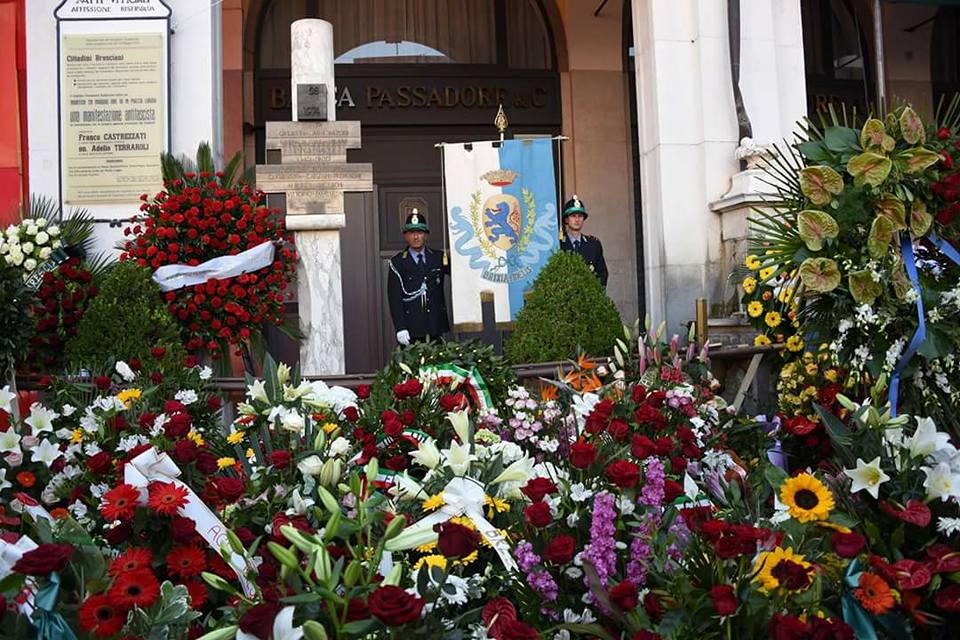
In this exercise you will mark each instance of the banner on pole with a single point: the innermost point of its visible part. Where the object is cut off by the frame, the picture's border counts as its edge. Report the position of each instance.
(502, 220)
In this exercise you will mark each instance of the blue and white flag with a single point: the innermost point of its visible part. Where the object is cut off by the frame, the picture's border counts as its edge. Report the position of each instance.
(502, 218)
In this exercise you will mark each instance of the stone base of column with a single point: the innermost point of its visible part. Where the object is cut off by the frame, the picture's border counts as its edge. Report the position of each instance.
(320, 295)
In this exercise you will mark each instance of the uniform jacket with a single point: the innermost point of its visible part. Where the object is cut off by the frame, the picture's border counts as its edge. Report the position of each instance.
(415, 293)
(592, 252)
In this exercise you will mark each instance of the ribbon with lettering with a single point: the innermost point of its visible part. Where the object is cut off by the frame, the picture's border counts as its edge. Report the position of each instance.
(151, 466)
(461, 497)
(178, 276)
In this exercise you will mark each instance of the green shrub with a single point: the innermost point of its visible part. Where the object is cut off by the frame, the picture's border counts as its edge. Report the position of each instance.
(126, 320)
(567, 308)
(16, 323)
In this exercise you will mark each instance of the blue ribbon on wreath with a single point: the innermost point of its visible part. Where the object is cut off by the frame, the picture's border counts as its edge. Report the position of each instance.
(910, 263)
(47, 622)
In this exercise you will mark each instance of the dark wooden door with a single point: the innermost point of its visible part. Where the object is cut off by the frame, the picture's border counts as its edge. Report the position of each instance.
(364, 294)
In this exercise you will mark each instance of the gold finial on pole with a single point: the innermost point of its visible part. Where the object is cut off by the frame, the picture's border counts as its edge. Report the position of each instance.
(501, 121)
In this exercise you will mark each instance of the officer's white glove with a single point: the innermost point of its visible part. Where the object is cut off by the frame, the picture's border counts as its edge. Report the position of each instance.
(403, 337)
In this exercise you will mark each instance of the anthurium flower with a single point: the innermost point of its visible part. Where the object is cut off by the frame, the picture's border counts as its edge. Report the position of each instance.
(867, 476)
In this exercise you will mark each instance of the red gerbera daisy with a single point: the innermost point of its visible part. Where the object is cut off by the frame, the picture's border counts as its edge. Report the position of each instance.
(166, 497)
(130, 560)
(138, 588)
(186, 561)
(198, 593)
(101, 617)
(120, 503)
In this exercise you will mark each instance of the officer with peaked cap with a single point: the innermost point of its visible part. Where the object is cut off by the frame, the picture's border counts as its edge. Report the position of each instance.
(588, 247)
(415, 286)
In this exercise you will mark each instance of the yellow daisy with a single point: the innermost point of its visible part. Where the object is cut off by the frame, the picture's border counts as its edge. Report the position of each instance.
(765, 273)
(236, 437)
(433, 502)
(77, 436)
(128, 396)
(761, 341)
(772, 319)
(226, 461)
(498, 505)
(766, 566)
(196, 437)
(752, 262)
(785, 294)
(755, 309)
(807, 498)
(795, 343)
(749, 284)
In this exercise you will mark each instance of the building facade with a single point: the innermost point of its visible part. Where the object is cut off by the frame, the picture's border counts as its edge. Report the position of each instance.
(653, 95)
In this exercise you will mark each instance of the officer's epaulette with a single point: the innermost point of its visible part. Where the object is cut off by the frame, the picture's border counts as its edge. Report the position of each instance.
(588, 237)
(405, 254)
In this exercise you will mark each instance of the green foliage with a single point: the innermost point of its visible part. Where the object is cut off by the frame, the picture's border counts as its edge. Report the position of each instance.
(16, 325)
(567, 308)
(126, 320)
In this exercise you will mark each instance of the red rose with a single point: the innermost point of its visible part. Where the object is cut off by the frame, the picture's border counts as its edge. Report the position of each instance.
(785, 627)
(407, 389)
(453, 402)
(280, 458)
(656, 398)
(847, 545)
(496, 614)
(246, 536)
(357, 610)
(118, 534)
(724, 599)
(638, 393)
(537, 514)
(391, 424)
(537, 488)
(230, 489)
(624, 595)
(102, 382)
(363, 391)
(177, 426)
(664, 445)
(618, 429)
(455, 540)
(653, 606)
(396, 463)
(281, 520)
(158, 352)
(561, 549)
(643, 634)
(582, 454)
(516, 630)
(677, 465)
(624, 474)
(183, 530)
(791, 575)
(394, 606)
(185, 451)
(351, 414)
(100, 463)
(641, 447)
(258, 620)
(44, 560)
(648, 415)
(206, 462)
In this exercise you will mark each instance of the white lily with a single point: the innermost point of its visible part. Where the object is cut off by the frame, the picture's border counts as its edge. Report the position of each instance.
(926, 439)
(299, 504)
(458, 458)
(867, 476)
(41, 419)
(406, 488)
(46, 453)
(461, 424)
(9, 441)
(519, 471)
(3, 480)
(293, 393)
(257, 391)
(283, 373)
(941, 482)
(427, 454)
(6, 399)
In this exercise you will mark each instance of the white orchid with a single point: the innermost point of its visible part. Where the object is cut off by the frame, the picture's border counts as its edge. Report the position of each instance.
(941, 482)
(867, 477)
(257, 391)
(46, 453)
(427, 454)
(926, 439)
(7, 398)
(9, 441)
(40, 418)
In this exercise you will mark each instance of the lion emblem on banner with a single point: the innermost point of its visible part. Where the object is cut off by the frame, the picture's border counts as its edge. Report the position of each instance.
(499, 222)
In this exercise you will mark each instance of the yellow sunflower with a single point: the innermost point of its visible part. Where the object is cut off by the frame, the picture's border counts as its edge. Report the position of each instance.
(807, 498)
(761, 341)
(770, 573)
(772, 319)
(755, 309)
(435, 560)
(795, 343)
(749, 284)
(752, 262)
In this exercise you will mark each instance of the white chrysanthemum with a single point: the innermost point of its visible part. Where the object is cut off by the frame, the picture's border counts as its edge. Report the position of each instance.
(186, 396)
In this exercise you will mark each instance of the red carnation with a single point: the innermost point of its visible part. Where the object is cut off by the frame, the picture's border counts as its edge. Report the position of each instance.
(624, 474)
(99, 616)
(186, 562)
(44, 560)
(624, 595)
(672, 489)
(537, 488)
(130, 560)
(120, 503)
(561, 549)
(847, 545)
(537, 514)
(394, 606)
(135, 589)
(725, 601)
(280, 458)
(455, 540)
(166, 498)
(582, 454)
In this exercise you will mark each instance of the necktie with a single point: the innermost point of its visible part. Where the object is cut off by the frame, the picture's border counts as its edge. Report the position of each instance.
(576, 245)
(420, 260)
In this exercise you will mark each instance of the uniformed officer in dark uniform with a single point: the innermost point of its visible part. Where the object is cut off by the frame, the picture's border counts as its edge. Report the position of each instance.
(589, 247)
(415, 286)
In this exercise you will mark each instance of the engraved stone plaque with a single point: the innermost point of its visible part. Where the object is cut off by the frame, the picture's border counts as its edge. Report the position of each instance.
(304, 142)
(315, 188)
(311, 102)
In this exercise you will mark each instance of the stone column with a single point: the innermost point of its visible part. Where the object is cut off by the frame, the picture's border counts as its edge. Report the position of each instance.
(319, 283)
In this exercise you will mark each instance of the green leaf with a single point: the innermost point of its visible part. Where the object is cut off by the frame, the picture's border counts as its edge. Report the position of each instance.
(881, 234)
(863, 287)
(313, 630)
(918, 159)
(920, 219)
(872, 134)
(302, 598)
(820, 184)
(870, 168)
(911, 127)
(815, 227)
(889, 206)
(838, 432)
(814, 151)
(901, 284)
(357, 627)
(775, 476)
(227, 633)
(820, 275)
(841, 139)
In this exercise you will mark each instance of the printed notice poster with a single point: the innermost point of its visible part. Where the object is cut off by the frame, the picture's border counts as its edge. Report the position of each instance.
(114, 116)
